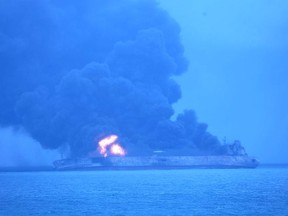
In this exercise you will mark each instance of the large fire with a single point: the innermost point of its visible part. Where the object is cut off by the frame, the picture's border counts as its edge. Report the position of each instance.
(109, 146)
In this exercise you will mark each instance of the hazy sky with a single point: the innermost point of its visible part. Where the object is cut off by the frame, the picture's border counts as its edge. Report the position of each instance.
(237, 80)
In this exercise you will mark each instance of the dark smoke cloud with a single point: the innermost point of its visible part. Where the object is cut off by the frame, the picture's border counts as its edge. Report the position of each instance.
(75, 71)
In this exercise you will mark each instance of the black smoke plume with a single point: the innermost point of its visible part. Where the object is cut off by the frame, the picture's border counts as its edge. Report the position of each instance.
(75, 71)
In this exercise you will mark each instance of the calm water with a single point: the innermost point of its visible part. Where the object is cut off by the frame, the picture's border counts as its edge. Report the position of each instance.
(262, 191)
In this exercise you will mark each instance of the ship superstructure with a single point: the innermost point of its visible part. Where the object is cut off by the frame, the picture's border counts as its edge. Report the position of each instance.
(111, 155)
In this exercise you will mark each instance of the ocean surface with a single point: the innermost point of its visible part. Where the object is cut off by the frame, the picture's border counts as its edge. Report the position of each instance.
(261, 191)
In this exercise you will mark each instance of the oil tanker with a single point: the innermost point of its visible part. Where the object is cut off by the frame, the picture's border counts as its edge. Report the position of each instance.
(156, 162)
(111, 155)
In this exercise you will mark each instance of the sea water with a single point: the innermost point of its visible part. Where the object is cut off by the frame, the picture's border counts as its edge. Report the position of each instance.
(262, 191)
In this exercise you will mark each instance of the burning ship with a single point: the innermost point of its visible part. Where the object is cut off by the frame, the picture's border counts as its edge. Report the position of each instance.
(113, 156)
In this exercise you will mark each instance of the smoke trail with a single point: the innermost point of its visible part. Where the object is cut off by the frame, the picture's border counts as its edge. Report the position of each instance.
(17, 148)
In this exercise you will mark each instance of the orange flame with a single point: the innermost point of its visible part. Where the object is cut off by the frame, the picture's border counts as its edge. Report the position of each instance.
(115, 148)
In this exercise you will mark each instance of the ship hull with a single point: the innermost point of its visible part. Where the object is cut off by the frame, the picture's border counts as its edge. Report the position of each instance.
(156, 162)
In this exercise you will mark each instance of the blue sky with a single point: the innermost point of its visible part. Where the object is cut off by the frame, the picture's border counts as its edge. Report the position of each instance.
(237, 80)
